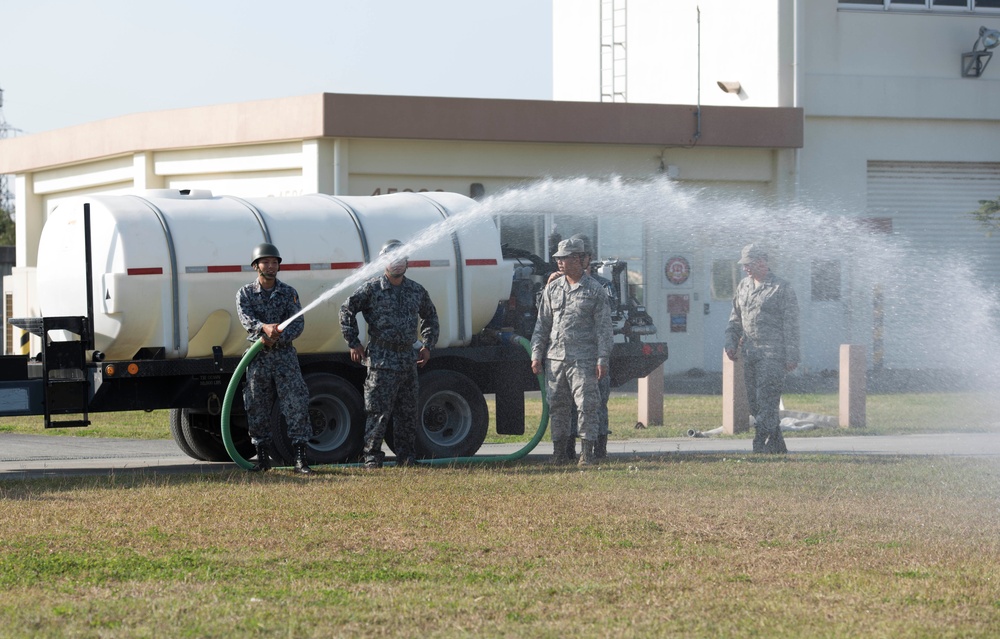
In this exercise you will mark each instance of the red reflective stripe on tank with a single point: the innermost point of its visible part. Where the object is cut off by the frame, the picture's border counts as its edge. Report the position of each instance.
(343, 265)
(484, 262)
(418, 263)
(224, 269)
(294, 267)
(156, 270)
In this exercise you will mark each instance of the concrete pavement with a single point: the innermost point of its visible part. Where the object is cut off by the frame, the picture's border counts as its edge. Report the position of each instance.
(47, 456)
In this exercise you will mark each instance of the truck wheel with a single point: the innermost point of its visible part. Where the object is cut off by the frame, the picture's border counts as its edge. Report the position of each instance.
(176, 431)
(452, 416)
(203, 434)
(337, 415)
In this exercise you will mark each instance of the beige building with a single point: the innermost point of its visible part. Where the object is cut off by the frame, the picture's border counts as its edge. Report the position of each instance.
(370, 145)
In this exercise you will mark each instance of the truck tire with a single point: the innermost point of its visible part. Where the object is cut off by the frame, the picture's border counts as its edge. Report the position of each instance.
(337, 414)
(203, 434)
(452, 417)
(177, 432)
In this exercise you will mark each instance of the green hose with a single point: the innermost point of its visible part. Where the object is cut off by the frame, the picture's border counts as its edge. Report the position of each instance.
(227, 405)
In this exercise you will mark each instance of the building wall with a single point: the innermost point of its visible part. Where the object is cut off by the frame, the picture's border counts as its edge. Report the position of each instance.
(739, 41)
(874, 86)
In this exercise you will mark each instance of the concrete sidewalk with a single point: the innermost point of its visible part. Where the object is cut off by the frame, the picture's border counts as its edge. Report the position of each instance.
(50, 456)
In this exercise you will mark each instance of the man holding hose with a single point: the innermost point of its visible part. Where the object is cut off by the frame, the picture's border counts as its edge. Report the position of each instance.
(274, 374)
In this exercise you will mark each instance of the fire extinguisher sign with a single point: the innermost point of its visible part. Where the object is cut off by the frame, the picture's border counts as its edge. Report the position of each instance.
(676, 271)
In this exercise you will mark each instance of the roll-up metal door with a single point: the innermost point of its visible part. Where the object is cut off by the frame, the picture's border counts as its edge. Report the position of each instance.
(937, 303)
(929, 203)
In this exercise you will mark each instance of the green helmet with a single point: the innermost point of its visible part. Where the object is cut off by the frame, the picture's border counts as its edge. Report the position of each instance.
(265, 249)
(389, 247)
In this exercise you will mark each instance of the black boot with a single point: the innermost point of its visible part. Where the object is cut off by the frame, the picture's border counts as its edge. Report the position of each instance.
(571, 449)
(301, 465)
(775, 443)
(561, 451)
(263, 458)
(601, 447)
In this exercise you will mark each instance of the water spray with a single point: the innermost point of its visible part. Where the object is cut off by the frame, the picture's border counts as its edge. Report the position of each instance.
(425, 238)
(450, 225)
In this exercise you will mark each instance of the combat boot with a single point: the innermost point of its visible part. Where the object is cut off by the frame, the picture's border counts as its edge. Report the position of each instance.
(571, 450)
(560, 450)
(301, 465)
(586, 453)
(775, 443)
(263, 458)
(601, 448)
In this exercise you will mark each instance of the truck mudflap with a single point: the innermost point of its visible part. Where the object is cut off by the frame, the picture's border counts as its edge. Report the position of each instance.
(635, 360)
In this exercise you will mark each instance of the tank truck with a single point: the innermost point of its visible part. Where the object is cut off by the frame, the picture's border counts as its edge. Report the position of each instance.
(136, 310)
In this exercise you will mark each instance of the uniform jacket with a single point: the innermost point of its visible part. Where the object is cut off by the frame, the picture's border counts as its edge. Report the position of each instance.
(257, 306)
(765, 319)
(392, 313)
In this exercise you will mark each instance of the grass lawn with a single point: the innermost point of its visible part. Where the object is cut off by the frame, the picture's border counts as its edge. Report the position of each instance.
(680, 545)
(683, 545)
(887, 414)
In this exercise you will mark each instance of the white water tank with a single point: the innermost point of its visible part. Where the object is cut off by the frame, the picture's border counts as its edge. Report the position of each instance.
(167, 264)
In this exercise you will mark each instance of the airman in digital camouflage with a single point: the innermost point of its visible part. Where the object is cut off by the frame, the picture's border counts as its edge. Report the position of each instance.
(392, 306)
(764, 325)
(603, 384)
(274, 373)
(572, 344)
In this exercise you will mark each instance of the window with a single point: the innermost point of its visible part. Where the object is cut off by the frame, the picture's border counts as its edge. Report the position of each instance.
(825, 280)
(526, 232)
(725, 276)
(990, 6)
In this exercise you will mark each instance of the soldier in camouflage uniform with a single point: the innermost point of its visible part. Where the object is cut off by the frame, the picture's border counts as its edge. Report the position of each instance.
(572, 344)
(391, 305)
(603, 384)
(765, 324)
(262, 305)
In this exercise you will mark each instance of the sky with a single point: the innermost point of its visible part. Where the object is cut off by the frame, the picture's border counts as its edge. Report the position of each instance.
(66, 62)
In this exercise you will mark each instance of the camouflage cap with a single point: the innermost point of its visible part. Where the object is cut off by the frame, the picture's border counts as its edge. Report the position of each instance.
(569, 247)
(586, 242)
(752, 252)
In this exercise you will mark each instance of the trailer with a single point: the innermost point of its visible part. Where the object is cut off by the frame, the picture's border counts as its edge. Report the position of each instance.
(137, 312)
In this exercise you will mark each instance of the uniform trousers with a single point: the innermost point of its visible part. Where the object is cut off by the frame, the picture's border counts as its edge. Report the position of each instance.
(572, 383)
(275, 375)
(391, 395)
(765, 378)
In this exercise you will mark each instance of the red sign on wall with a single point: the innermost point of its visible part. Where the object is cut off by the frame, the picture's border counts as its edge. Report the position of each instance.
(677, 270)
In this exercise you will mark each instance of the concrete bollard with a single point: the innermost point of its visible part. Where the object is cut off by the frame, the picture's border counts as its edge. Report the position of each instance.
(735, 408)
(651, 398)
(853, 386)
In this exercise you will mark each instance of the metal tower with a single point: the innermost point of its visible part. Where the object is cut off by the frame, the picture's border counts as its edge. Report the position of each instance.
(6, 196)
(614, 53)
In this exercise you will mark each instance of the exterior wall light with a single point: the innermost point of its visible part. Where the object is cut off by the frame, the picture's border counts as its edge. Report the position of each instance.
(733, 87)
(974, 62)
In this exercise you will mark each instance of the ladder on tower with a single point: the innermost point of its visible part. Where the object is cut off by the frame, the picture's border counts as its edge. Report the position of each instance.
(614, 51)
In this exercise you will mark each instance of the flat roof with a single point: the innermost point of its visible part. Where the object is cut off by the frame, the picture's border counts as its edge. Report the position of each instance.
(337, 115)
